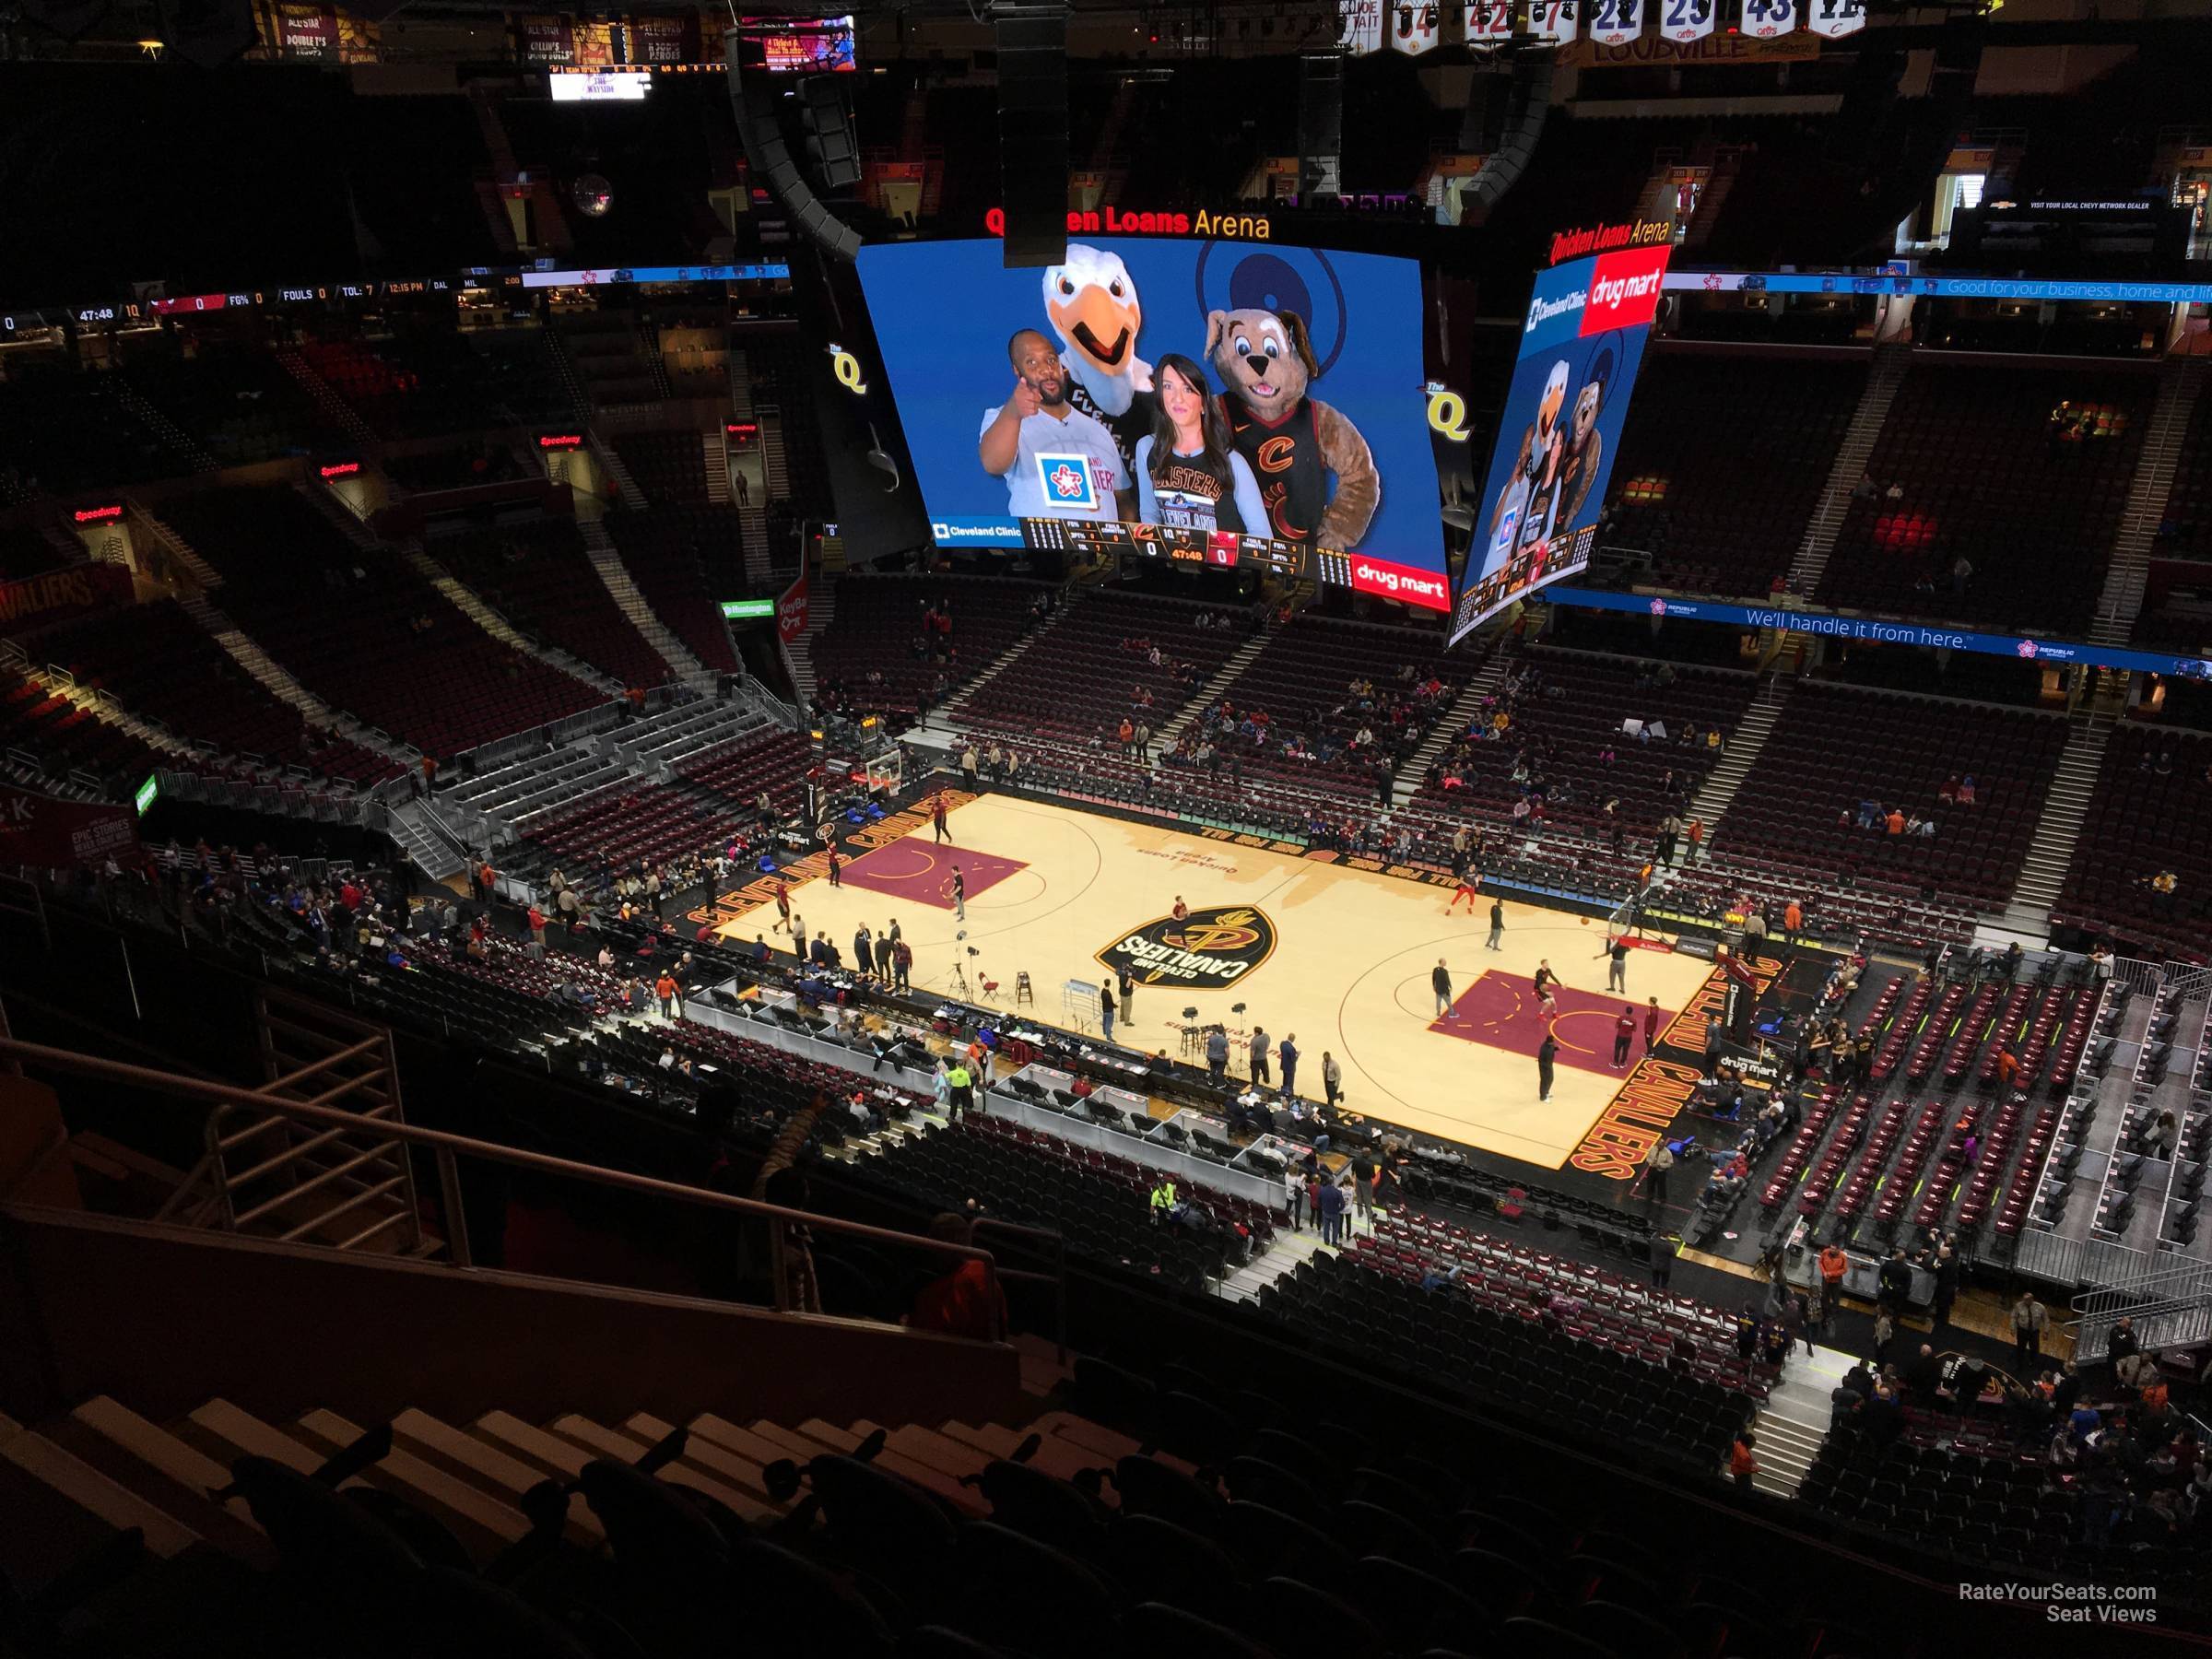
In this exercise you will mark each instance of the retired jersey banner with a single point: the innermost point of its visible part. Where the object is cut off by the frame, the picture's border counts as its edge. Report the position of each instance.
(1685, 20)
(1833, 20)
(1764, 19)
(1552, 20)
(1413, 26)
(1615, 22)
(1489, 24)
(1360, 28)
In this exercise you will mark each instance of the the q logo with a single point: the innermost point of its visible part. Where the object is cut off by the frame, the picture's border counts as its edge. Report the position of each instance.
(847, 367)
(1447, 413)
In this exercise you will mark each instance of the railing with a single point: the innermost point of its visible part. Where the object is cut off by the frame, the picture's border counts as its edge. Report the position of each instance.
(783, 1226)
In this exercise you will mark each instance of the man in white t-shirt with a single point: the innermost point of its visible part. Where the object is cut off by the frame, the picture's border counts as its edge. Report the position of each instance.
(1057, 461)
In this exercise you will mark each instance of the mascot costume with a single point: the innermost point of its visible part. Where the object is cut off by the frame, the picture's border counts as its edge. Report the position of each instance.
(1092, 305)
(1292, 443)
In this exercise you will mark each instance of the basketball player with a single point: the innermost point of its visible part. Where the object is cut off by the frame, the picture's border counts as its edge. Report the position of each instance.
(782, 908)
(937, 816)
(1182, 911)
(1547, 1004)
(960, 894)
(1470, 884)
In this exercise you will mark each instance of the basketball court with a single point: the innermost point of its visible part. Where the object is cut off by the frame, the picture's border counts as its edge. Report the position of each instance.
(1338, 957)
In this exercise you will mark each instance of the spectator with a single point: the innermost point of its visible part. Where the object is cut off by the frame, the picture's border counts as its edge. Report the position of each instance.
(967, 1300)
(1742, 1461)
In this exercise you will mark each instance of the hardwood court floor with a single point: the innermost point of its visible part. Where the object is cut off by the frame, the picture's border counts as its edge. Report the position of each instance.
(1348, 971)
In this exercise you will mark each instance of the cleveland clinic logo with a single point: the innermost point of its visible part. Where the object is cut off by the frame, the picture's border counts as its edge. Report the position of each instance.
(2026, 648)
(1658, 608)
(1209, 949)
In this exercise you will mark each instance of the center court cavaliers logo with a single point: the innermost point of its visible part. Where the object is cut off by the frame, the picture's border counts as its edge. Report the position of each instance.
(1207, 950)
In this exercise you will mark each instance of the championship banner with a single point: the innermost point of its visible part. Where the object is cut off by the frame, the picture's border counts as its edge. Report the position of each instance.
(1615, 22)
(1833, 20)
(1552, 20)
(1414, 25)
(1489, 24)
(790, 610)
(1685, 20)
(1765, 20)
(1359, 27)
(42, 831)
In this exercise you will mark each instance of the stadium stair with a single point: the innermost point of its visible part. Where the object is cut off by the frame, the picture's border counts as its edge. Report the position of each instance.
(1792, 1420)
(752, 515)
(471, 605)
(2181, 379)
(1745, 746)
(428, 851)
(1414, 772)
(821, 610)
(773, 467)
(613, 466)
(178, 440)
(1891, 361)
(599, 548)
(947, 718)
(1210, 693)
(717, 446)
(2066, 811)
(179, 550)
(325, 396)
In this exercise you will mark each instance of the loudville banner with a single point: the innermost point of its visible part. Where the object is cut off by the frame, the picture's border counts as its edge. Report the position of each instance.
(53, 834)
(1209, 949)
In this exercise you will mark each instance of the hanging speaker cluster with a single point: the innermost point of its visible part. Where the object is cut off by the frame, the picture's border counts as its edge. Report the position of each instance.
(770, 159)
(1032, 131)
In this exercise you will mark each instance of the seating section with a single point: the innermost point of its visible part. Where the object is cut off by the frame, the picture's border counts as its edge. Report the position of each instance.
(237, 401)
(62, 431)
(877, 628)
(350, 623)
(1724, 458)
(1094, 665)
(1532, 1336)
(421, 385)
(666, 553)
(60, 737)
(160, 664)
(1833, 749)
(739, 772)
(1564, 745)
(609, 356)
(669, 466)
(1291, 716)
(2020, 470)
(1096, 1198)
(2145, 819)
(630, 823)
(536, 575)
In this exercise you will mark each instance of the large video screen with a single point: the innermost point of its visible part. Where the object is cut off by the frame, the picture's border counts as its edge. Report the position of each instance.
(803, 45)
(1581, 343)
(1222, 403)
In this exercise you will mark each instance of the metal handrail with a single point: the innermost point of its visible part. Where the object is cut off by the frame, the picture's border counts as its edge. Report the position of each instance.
(449, 1148)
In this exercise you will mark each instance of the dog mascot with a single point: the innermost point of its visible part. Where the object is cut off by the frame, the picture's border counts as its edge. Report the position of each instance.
(1293, 444)
(1092, 305)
